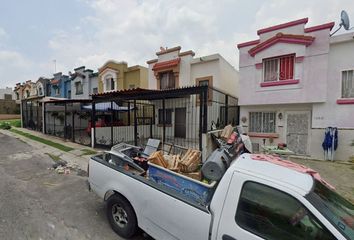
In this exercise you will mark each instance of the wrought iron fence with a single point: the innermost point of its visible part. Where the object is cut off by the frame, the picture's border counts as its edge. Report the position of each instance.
(32, 114)
(178, 117)
(69, 119)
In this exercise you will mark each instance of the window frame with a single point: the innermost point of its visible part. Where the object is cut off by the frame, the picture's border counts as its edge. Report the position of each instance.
(77, 92)
(107, 83)
(210, 87)
(278, 68)
(281, 191)
(7, 96)
(171, 73)
(167, 111)
(262, 120)
(341, 82)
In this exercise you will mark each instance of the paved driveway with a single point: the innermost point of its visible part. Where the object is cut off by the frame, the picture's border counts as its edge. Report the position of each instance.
(37, 203)
(340, 175)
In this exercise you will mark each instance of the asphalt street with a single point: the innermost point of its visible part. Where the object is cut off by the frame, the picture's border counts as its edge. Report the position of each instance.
(37, 203)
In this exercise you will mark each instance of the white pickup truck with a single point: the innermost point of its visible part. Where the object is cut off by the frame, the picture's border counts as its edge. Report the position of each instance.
(253, 200)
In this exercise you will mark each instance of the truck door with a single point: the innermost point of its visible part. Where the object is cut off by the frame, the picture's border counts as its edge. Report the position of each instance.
(258, 209)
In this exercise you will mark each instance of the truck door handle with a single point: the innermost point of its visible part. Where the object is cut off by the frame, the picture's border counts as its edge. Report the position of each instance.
(227, 237)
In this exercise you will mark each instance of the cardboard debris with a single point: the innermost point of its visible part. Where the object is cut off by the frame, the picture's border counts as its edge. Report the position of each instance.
(157, 158)
(190, 161)
(187, 164)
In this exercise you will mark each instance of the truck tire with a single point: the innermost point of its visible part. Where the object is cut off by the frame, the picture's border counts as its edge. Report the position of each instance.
(121, 216)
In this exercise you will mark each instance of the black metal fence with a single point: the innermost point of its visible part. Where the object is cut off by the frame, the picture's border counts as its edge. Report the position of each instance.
(178, 117)
(32, 113)
(69, 119)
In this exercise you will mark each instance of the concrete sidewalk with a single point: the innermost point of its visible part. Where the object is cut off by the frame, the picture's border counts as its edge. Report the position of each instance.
(75, 156)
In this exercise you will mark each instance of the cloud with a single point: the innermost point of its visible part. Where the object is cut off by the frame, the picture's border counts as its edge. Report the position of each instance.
(11, 63)
(133, 30)
(3, 34)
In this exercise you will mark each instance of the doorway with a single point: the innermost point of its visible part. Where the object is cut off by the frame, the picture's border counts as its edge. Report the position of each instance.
(297, 131)
(180, 122)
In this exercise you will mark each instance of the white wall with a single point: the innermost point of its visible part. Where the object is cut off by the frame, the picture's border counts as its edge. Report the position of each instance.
(341, 58)
(311, 73)
(7, 90)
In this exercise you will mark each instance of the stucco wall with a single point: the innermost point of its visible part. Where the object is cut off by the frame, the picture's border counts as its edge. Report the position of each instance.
(132, 78)
(205, 69)
(311, 73)
(341, 58)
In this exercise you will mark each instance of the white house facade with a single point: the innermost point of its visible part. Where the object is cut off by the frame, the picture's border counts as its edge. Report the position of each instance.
(296, 81)
(175, 69)
(83, 83)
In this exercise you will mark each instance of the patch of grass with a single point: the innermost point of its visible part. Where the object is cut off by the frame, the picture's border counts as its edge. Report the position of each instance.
(12, 122)
(88, 152)
(5, 125)
(54, 157)
(42, 140)
(352, 167)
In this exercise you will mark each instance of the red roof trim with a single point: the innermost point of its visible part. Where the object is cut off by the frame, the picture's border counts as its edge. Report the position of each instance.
(280, 37)
(249, 43)
(54, 82)
(166, 64)
(283, 25)
(320, 27)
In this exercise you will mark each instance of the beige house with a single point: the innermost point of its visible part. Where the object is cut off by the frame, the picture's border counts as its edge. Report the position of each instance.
(113, 76)
(173, 69)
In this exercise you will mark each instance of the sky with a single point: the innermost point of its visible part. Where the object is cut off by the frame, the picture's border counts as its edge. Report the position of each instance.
(39, 37)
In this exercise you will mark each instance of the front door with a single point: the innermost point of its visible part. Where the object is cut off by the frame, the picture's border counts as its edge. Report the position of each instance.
(297, 128)
(180, 122)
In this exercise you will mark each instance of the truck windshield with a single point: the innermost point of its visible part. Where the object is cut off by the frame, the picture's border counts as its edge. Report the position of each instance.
(339, 211)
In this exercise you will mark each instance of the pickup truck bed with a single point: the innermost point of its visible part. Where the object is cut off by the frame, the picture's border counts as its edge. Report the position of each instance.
(146, 197)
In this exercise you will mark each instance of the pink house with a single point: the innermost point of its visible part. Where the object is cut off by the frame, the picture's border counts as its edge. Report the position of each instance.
(295, 81)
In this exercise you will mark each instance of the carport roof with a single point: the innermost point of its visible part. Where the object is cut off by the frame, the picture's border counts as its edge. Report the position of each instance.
(148, 94)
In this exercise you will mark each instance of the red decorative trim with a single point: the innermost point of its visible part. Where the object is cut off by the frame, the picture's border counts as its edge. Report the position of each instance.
(299, 59)
(55, 81)
(246, 44)
(345, 101)
(259, 65)
(280, 83)
(263, 135)
(284, 38)
(320, 27)
(166, 64)
(283, 25)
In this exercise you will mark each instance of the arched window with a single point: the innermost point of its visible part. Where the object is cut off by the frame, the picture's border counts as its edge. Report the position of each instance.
(109, 83)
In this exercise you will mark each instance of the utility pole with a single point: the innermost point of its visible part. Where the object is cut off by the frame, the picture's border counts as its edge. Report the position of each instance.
(55, 65)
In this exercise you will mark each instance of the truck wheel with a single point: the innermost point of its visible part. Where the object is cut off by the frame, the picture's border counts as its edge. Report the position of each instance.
(121, 216)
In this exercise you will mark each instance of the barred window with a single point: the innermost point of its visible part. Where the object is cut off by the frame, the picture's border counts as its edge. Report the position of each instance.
(262, 122)
(279, 68)
(168, 116)
(348, 84)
